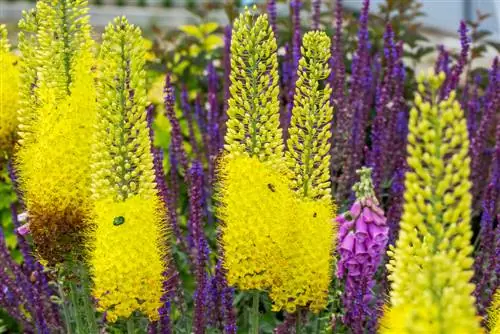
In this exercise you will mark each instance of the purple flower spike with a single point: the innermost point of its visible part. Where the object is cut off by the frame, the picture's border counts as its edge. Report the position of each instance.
(200, 251)
(316, 13)
(177, 141)
(362, 241)
(272, 13)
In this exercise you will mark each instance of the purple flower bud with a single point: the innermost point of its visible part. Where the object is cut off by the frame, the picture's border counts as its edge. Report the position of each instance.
(23, 229)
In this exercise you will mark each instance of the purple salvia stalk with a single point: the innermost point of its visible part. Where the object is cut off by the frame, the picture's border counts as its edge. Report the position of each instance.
(177, 140)
(316, 13)
(363, 236)
(287, 326)
(361, 57)
(485, 259)
(473, 106)
(173, 194)
(171, 287)
(201, 119)
(338, 99)
(188, 115)
(229, 313)
(273, 16)
(443, 61)
(201, 247)
(381, 131)
(495, 168)
(358, 107)
(216, 295)
(338, 74)
(223, 295)
(295, 6)
(150, 109)
(213, 113)
(221, 313)
(397, 188)
(153, 328)
(491, 104)
(166, 195)
(213, 121)
(286, 89)
(458, 68)
(11, 293)
(23, 288)
(170, 274)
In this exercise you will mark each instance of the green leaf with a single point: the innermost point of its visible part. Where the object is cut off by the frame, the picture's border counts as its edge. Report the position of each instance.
(212, 42)
(209, 27)
(494, 45)
(192, 30)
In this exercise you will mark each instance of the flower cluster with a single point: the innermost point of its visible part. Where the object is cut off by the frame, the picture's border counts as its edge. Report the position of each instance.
(281, 204)
(127, 251)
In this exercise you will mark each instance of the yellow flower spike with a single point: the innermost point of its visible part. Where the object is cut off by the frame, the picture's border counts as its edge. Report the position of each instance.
(127, 252)
(9, 97)
(275, 236)
(56, 116)
(430, 267)
(308, 253)
(253, 124)
(309, 143)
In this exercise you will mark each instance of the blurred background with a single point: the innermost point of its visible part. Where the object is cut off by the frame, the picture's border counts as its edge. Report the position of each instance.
(440, 15)
(439, 19)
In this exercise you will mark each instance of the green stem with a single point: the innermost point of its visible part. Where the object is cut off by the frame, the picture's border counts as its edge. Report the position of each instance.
(80, 328)
(255, 314)
(298, 328)
(130, 325)
(317, 322)
(87, 304)
(66, 315)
